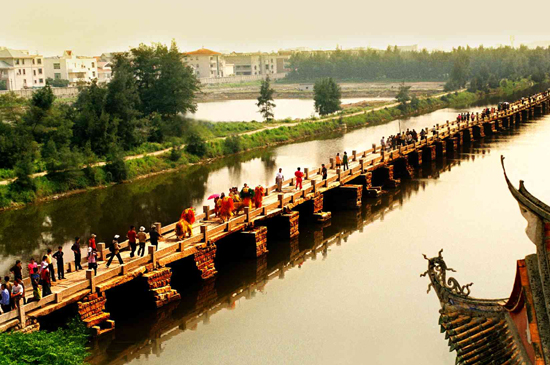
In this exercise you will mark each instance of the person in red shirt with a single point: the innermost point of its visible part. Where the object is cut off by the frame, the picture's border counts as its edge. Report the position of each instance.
(299, 175)
(91, 242)
(132, 240)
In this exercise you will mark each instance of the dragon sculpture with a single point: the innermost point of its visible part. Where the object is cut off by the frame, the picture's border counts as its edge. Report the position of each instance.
(437, 272)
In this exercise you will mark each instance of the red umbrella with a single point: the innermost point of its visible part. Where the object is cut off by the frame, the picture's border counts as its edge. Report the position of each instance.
(213, 196)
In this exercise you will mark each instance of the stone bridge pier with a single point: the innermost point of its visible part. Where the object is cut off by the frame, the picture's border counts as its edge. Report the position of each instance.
(204, 259)
(158, 286)
(383, 176)
(452, 145)
(283, 226)
(429, 153)
(441, 148)
(402, 169)
(254, 241)
(91, 311)
(345, 197)
(478, 131)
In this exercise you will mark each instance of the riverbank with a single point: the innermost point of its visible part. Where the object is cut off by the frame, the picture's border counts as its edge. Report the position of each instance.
(58, 185)
(284, 90)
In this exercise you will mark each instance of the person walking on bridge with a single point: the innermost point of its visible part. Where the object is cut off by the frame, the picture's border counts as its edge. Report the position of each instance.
(5, 299)
(345, 161)
(92, 260)
(17, 270)
(338, 161)
(142, 238)
(324, 172)
(279, 180)
(115, 251)
(131, 235)
(49, 260)
(299, 176)
(91, 242)
(154, 237)
(58, 256)
(77, 254)
(45, 281)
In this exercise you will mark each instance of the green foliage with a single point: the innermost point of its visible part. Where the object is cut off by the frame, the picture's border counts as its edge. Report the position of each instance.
(57, 82)
(265, 100)
(403, 96)
(63, 346)
(116, 167)
(327, 96)
(196, 145)
(175, 153)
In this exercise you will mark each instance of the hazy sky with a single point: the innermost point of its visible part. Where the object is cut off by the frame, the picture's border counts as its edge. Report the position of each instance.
(90, 28)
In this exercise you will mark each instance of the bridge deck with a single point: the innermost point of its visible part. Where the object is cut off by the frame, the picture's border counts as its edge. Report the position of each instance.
(78, 284)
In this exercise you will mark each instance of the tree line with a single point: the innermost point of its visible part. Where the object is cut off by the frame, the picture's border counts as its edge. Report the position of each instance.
(479, 68)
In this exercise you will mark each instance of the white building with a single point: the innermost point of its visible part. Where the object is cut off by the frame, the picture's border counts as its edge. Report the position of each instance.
(21, 70)
(71, 67)
(207, 64)
(258, 63)
(104, 72)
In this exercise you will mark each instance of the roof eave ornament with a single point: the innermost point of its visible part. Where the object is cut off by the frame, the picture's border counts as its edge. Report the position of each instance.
(437, 272)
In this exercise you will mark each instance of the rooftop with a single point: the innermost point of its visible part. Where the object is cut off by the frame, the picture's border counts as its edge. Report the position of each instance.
(13, 53)
(202, 52)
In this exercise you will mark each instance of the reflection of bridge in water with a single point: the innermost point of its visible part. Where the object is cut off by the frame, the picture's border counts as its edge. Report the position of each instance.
(169, 322)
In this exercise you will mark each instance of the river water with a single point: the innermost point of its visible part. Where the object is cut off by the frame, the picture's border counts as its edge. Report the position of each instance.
(360, 300)
(246, 110)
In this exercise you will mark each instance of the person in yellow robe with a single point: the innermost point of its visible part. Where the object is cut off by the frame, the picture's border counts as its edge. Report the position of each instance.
(226, 209)
(185, 224)
(246, 195)
(258, 196)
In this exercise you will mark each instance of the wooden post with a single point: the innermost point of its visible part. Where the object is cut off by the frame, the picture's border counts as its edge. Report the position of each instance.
(293, 182)
(314, 186)
(22, 317)
(153, 253)
(59, 297)
(264, 210)
(354, 154)
(91, 279)
(247, 213)
(306, 172)
(339, 172)
(266, 190)
(206, 210)
(204, 230)
(281, 198)
(100, 251)
(332, 163)
(362, 162)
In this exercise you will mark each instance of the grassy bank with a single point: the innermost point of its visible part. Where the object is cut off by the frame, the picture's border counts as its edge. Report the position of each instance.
(90, 177)
(64, 346)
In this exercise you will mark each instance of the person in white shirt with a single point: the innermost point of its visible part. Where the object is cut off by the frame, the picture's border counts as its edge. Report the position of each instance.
(17, 293)
(279, 180)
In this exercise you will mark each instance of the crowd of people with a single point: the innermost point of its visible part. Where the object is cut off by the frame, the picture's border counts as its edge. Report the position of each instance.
(42, 275)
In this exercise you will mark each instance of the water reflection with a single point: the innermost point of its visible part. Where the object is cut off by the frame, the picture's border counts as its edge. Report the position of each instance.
(144, 342)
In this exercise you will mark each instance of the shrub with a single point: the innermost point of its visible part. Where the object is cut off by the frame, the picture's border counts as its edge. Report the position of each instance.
(116, 167)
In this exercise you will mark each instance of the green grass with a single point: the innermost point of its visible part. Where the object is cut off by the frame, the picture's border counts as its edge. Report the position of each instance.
(65, 346)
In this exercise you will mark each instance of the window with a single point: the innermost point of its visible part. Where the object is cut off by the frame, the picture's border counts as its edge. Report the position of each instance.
(56, 66)
(24, 72)
(254, 69)
(41, 81)
(40, 71)
(93, 73)
(34, 72)
(93, 64)
(35, 82)
(40, 61)
(22, 61)
(57, 76)
(33, 61)
(17, 61)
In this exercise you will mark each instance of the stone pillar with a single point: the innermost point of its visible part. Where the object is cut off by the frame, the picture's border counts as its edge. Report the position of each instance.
(415, 158)
(158, 284)
(255, 241)
(90, 309)
(293, 223)
(318, 202)
(204, 259)
(478, 131)
(441, 148)
(452, 144)
(402, 169)
(489, 128)
(347, 197)
(429, 153)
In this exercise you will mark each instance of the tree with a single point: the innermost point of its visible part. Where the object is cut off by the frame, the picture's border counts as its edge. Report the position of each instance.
(57, 82)
(196, 145)
(327, 96)
(403, 96)
(165, 84)
(265, 100)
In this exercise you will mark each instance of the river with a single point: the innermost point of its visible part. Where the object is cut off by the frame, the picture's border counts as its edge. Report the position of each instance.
(246, 110)
(361, 299)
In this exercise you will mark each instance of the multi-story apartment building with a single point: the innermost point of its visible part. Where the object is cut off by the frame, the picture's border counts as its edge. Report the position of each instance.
(21, 70)
(258, 63)
(104, 71)
(207, 64)
(71, 67)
